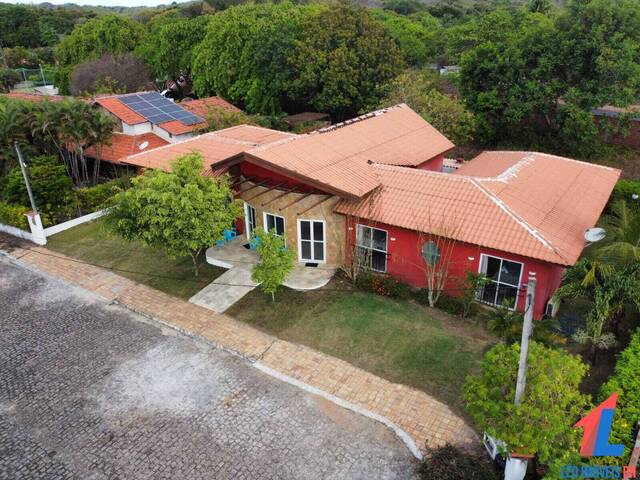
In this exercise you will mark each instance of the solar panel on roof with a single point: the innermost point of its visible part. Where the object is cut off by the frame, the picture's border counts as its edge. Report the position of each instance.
(158, 109)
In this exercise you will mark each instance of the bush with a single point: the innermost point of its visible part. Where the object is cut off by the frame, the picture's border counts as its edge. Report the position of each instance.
(450, 463)
(97, 197)
(14, 215)
(8, 78)
(52, 189)
(382, 285)
(626, 382)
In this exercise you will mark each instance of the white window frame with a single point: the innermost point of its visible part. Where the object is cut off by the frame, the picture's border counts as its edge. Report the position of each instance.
(284, 224)
(498, 283)
(247, 206)
(324, 240)
(370, 247)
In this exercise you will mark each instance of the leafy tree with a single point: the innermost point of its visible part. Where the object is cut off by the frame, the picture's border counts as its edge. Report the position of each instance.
(20, 57)
(621, 245)
(244, 56)
(626, 382)
(180, 213)
(169, 49)
(52, 189)
(403, 7)
(106, 34)
(8, 78)
(276, 261)
(122, 73)
(551, 404)
(419, 90)
(343, 60)
(471, 285)
(18, 26)
(412, 35)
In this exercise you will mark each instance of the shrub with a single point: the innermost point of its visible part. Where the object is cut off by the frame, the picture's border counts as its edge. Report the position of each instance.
(382, 285)
(450, 463)
(8, 78)
(446, 303)
(13, 215)
(52, 189)
(626, 382)
(276, 261)
(97, 197)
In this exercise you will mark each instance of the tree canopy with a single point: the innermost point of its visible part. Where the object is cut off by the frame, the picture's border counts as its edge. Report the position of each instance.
(180, 213)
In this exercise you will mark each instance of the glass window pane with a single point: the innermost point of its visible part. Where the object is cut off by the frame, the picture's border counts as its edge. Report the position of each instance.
(507, 294)
(378, 261)
(488, 293)
(380, 240)
(305, 230)
(493, 268)
(270, 222)
(510, 272)
(280, 225)
(306, 249)
(318, 251)
(364, 237)
(318, 231)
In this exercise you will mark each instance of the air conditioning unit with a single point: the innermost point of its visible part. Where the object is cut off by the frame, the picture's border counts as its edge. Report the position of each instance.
(552, 308)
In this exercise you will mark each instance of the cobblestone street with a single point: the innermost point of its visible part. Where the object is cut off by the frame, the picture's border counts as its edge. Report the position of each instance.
(90, 390)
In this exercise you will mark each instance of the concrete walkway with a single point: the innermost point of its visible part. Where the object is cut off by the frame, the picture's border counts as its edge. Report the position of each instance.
(234, 284)
(416, 417)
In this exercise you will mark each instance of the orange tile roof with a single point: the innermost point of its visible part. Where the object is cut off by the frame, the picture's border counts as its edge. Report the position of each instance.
(215, 147)
(254, 134)
(124, 145)
(33, 97)
(176, 127)
(338, 155)
(538, 207)
(202, 106)
(120, 110)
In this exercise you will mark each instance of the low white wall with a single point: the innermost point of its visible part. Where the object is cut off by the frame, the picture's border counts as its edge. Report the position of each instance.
(16, 232)
(61, 227)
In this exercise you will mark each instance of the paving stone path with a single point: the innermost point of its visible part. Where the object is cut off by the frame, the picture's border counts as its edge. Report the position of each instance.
(91, 390)
(421, 418)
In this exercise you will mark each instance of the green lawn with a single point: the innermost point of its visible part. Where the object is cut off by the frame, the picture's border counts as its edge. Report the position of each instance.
(91, 243)
(399, 340)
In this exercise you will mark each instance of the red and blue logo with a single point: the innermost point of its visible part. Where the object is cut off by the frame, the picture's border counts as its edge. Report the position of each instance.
(597, 429)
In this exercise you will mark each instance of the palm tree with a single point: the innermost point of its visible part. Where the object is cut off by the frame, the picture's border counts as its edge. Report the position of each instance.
(621, 245)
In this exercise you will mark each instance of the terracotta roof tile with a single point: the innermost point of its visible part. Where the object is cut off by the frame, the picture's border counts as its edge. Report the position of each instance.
(338, 155)
(33, 97)
(525, 209)
(202, 106)
(124, 145)
(120, 110)
(254, 134)
(175, 127)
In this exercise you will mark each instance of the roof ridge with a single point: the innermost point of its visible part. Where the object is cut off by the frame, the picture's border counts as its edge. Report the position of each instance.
(359, 118)
(419, 171)
(517, 218)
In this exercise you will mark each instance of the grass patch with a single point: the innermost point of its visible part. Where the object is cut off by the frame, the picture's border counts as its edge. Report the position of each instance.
(91, 243)
(399, 340)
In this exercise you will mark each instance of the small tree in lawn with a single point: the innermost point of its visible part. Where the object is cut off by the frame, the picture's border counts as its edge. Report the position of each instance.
(180, 213)
(471, 285)
(543, 423)
(276, 261)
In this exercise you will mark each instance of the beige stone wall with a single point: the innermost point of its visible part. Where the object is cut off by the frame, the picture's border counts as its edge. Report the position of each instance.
(334, 223)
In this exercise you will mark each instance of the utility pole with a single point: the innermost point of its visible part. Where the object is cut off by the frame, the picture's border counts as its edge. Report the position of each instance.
(527, 328)
(44, 80)
(23, 168)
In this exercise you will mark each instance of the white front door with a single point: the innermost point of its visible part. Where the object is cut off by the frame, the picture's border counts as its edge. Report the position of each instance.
(311, 241)
(249, 219)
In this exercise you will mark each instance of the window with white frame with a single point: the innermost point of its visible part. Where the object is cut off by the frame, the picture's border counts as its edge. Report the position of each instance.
(371, 247)
(274, 222)
(504, 281)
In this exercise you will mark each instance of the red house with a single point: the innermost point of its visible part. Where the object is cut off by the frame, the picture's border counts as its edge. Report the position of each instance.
(371, 190)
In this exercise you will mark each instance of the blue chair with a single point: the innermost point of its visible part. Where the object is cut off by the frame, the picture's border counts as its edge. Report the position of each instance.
(229, 234)
(221, 243)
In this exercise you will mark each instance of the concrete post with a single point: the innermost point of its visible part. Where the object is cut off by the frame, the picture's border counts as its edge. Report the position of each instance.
(527, 328)
(37, 230)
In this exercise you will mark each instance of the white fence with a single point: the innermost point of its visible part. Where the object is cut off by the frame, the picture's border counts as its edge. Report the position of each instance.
(39, 235)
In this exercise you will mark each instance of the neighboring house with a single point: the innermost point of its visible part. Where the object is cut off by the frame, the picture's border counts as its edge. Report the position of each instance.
(612, 115)
(373, 188)
(33, 97)
(135, 130)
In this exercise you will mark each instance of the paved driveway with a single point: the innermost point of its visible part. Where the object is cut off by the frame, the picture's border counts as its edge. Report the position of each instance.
(90, 390)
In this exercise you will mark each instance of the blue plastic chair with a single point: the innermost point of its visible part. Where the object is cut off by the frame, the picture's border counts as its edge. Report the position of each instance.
(229, 235)
(254, 243)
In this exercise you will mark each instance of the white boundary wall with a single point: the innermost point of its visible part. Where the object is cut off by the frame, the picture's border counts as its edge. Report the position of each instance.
(39, 235)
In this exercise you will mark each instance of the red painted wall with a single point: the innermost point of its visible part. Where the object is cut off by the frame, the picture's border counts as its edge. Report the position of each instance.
(404, 261)
(434, 164)
(256, 171)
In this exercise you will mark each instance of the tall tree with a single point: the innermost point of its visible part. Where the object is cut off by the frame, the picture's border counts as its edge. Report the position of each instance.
(343, 61)
(180, 213)
(170, 46)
